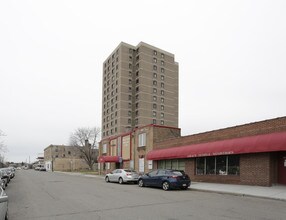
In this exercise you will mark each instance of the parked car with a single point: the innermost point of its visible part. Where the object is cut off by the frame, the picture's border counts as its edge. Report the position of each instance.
(122, 176)
(4, 179)
(10, 171)
(42, 169)
(5, 175)
(3, 205)
(3, 183)
(166, 179)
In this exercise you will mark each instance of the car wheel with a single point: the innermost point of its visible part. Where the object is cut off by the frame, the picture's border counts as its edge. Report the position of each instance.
(166, 186)
(140, 183)
(107, 179)
(120, 180)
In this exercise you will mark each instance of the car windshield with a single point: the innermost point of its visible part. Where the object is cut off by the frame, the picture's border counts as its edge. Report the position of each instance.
(130, 171)
(176, 172)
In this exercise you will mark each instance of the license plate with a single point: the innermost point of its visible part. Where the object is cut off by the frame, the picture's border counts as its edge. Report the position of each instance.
(184, 184)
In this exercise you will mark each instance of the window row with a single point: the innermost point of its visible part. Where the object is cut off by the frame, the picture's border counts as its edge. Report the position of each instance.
(110, 117)
(110, 132)
(112, 123)
(106, 91)
(155, 61)
(155, 68)
(154, 114)
(154, 121)
(218, 165)
(177, 164)
(112, 101)
(155, 53)
(107, 70)
(108, 97)
(155, 91)
(111, 60)
(155, 84)
(108, 81)
(155, 76)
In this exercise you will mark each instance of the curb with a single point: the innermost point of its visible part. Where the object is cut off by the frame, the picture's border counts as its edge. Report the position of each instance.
(238, 194)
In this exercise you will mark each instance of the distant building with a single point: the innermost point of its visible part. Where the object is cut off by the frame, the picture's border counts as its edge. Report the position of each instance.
(63, 158)
(140, 87)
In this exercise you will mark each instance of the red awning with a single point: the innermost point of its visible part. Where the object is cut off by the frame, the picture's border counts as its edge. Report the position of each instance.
(106, 159)
(254, 144)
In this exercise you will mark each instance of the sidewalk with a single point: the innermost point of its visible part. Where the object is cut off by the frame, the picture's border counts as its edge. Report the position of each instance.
(277, 192)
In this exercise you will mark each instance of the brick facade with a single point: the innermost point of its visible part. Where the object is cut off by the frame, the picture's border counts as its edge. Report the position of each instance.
(154, 133)
(64, 158)
(251, 129)
(69, 164)
(255, 169)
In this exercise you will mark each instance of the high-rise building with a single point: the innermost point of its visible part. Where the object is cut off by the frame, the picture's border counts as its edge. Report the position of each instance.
(140, 87)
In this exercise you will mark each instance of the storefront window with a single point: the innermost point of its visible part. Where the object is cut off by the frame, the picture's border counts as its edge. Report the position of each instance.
(210, 165)
(168, 164)
(200, 166)
(161, 164)
(181, 165)
(233, 165)
(172, 164)
(221, 165)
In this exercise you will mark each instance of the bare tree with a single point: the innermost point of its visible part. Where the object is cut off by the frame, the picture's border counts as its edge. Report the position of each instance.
(85, 139)
(3, 147)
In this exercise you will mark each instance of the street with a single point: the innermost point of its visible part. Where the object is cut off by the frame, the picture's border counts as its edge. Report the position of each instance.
(47, 195)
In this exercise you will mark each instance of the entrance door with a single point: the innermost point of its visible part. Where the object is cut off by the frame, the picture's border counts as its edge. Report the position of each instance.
(282, 169)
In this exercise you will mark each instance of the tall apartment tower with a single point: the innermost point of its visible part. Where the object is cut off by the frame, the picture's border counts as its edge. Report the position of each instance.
(140, 87)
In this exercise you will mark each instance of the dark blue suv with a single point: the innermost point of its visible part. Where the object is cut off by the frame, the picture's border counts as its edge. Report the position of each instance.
(166, 179)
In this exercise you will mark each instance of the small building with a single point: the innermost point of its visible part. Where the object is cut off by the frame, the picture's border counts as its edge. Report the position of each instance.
(251, 154)
(129, 150)
(64, 158)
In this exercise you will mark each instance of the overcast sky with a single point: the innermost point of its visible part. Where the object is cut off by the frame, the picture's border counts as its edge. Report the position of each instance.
(231, 55)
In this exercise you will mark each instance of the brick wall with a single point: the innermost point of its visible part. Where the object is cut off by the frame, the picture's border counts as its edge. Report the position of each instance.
(255, 169)
(165, 133)
(251, 129)
(65, 164)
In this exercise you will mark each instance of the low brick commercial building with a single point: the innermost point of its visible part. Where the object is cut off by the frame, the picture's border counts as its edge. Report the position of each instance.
(64, 158)
(252, 154)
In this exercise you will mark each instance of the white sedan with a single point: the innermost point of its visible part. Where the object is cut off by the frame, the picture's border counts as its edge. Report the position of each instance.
(122, 176)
